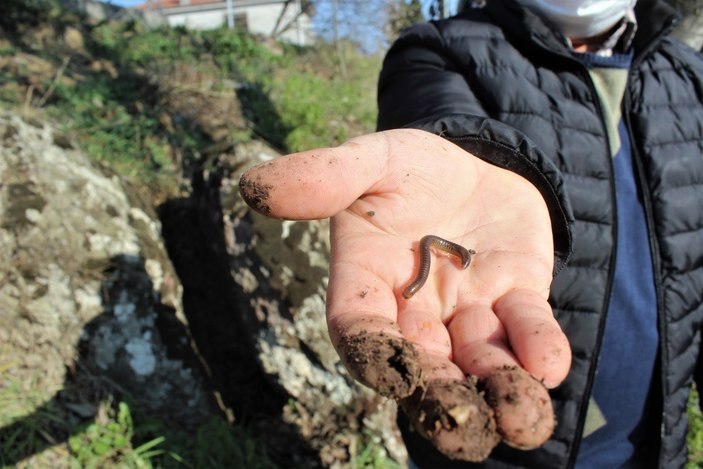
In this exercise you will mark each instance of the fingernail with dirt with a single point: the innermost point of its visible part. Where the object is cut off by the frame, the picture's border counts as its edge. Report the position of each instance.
(455, 417)
(385, 363)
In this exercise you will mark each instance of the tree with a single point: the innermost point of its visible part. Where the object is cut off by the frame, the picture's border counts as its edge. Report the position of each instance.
(690, 30)
(401, 14)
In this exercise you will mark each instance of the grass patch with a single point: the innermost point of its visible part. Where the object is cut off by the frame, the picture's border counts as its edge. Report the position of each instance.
(149, 442)
(293, 97)
(372, 455)
(30, 422)
(108, 442)
(36, 430)
(694, 439)
(27, 423)
(114, 126)
(216, 444)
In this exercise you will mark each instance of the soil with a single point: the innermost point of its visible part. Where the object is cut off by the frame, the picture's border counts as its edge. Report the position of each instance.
(255, 194)
(384, 363)
(455, 417)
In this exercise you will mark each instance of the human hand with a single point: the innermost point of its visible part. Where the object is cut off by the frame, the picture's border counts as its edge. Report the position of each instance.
(384, 192)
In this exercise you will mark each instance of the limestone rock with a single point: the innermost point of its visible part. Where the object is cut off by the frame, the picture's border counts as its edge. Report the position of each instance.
(86, 287)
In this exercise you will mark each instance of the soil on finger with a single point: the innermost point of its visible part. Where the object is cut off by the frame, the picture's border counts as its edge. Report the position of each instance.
(255, 194)
(523, 408)
(388, 364)
(455, 417)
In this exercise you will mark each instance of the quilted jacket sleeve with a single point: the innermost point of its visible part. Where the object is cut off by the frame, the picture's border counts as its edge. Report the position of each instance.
(420, 87)
(419, 79)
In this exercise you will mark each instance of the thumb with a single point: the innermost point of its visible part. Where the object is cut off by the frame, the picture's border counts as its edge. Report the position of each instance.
(317, 183)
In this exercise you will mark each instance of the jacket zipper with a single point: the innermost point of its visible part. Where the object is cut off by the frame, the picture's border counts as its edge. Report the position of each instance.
(654, 248)
(609, 289)
(656, 265)
(653, 244)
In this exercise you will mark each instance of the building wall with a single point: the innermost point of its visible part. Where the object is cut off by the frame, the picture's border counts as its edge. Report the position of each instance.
(260, 19)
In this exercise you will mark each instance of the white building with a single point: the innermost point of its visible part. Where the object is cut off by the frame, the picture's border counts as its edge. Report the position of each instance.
(256, 16)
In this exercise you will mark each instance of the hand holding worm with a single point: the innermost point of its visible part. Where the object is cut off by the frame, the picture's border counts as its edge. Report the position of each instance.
(384, 192)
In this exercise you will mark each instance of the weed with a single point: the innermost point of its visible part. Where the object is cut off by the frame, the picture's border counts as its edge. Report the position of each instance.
(372, 455)
(108, 441)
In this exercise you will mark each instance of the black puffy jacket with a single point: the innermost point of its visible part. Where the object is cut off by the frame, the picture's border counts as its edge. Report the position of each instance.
(500, 83)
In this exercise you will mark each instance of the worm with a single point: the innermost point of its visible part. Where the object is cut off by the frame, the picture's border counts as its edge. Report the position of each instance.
(443, 245)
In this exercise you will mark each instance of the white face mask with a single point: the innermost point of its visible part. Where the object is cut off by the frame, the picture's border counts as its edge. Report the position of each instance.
(578, 19)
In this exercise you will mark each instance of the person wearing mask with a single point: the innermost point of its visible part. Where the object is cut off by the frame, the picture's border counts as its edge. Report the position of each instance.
(561, 141)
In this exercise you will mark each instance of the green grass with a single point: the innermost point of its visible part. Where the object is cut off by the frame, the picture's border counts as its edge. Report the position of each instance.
(216, 444)
(109, 441)
(104, 115)
(695, 432)
(36, 430)
(31, 423)
(294, 97)
(372, 455)
(119, 436)
(23, 402)
(148, 442)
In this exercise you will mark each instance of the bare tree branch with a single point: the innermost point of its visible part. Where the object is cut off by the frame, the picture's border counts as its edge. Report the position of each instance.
(275, 32)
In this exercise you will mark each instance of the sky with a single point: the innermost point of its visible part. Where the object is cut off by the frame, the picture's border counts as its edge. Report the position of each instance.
(129, 3)
(124, 3)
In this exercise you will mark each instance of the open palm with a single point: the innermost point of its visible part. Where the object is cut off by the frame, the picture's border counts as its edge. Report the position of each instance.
(384, 192)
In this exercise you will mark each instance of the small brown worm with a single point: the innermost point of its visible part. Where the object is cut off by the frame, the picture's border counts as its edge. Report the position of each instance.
(431, 241)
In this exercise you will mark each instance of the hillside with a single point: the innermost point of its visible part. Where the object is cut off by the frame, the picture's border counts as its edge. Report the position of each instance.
(120, 147)
(135, 97)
